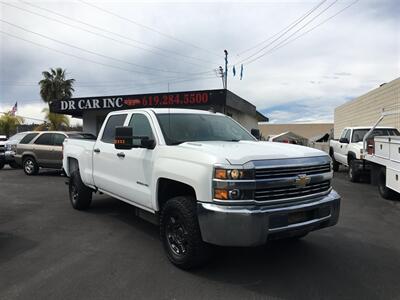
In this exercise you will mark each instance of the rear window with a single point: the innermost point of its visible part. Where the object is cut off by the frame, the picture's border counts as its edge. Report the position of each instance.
(29, 137)
(45, 139)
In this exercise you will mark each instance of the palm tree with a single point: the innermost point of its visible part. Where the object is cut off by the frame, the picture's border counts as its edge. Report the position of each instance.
(9, 123)
(54, 86)
(56, 121)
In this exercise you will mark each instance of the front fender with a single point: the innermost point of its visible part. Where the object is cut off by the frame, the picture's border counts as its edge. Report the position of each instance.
(194, 174)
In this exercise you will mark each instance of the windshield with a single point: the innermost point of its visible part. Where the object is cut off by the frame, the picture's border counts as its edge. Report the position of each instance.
(358, 134)
(17, 137)
(180, 128)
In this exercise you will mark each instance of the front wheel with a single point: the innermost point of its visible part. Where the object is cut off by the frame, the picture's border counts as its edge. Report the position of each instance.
(335, 165)
(79, 194)
(30, 166)
(354, 174)
(180, 233)
(1, 165)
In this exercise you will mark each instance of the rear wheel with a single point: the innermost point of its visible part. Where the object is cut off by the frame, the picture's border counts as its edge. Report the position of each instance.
(385, 192)
(79, 194)
(180, 233)
(30, 166)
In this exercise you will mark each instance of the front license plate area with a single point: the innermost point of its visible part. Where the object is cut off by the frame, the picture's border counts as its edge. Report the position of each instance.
(301, 216)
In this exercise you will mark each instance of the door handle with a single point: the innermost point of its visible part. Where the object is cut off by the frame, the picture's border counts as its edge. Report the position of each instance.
(97, 150)
(121, 154)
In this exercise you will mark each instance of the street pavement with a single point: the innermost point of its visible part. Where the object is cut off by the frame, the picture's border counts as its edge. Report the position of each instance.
(50, 251)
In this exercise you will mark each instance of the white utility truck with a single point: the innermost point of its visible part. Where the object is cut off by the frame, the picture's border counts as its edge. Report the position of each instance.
(204, 179)
(348, 150)
(383, 155)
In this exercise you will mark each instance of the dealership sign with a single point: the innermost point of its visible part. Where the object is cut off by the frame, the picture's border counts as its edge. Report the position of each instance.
(75, 106)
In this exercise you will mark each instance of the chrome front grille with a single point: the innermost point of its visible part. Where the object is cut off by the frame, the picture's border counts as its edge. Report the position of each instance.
(270, 173)
(279, 193)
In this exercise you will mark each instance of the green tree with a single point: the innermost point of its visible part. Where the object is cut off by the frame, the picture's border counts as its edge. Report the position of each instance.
(54, 86)
(9, 123)
(55, 121)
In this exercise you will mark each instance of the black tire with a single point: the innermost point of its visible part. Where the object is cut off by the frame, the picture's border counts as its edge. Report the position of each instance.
(353, 173)
(180, 233)
(1, 165)
(30, 166)
(335, 165)
(14, 165)
(79, 194)
(385, 192)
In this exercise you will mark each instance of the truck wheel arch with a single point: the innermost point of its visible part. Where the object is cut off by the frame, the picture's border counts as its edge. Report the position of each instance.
(73, 165)
(169, 188)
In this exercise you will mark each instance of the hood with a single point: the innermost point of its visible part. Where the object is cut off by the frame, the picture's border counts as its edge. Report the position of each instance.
(244, 151)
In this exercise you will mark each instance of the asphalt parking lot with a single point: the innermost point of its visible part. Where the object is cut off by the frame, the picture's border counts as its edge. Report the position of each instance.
(50, 251)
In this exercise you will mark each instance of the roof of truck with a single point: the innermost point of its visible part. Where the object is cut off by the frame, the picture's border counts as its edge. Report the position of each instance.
(167, 111)
(369, 127)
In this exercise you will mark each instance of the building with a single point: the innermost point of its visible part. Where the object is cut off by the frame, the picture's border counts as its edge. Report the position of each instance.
(366, 109)
(93, 110)
(310, 131)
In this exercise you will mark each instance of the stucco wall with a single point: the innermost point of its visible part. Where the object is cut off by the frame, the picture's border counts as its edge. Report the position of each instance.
(366, 109)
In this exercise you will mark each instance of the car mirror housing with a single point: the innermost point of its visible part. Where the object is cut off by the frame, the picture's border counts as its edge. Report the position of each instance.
(123, 137)
(344, 141)
(256, 133)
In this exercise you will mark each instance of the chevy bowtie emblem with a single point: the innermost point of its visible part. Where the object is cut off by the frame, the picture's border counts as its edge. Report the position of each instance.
(302, 180)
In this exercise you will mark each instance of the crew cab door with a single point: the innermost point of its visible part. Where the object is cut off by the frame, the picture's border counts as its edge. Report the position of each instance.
(106, 175)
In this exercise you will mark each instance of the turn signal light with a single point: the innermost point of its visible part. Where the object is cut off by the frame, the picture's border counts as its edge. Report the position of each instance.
(220, 194)
(221, 174)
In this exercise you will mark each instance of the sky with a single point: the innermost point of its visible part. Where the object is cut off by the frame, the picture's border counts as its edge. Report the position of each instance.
(301, 59)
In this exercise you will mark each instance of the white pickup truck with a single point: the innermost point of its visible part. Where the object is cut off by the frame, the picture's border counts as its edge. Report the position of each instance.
(347, 151)
(204, 178)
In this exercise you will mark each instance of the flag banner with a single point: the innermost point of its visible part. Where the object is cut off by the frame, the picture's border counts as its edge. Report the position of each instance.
(234, 71)
(14, 109)
(241, 71)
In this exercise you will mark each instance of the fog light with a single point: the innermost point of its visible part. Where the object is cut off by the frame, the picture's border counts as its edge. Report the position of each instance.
(234, 194)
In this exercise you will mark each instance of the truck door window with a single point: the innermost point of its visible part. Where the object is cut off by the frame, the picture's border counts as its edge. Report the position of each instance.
(45, 139)
(141, 126)
(109, 130)
(58, 139)
(347, 136)
(344, 133)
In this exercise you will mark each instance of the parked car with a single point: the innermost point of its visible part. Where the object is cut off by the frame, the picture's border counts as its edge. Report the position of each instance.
(10, 148)
(204, 179)
(347, 151)
(3, 140)
(44, 149)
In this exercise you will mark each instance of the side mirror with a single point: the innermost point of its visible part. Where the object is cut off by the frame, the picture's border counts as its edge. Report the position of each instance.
(147, 143)
(344, 141)
(256, 133)
(123, 138)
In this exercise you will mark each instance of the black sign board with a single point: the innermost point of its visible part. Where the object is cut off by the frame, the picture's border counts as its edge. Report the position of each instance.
(76, 106)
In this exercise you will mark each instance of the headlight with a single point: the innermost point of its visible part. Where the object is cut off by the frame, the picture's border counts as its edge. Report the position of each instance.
(233, 174)
(231, 189)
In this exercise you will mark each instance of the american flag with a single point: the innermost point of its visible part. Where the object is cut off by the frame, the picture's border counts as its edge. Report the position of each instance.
(14, 109)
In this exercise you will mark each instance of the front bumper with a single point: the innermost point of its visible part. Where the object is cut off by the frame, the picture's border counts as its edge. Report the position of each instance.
(254, 225)
(9, 156)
